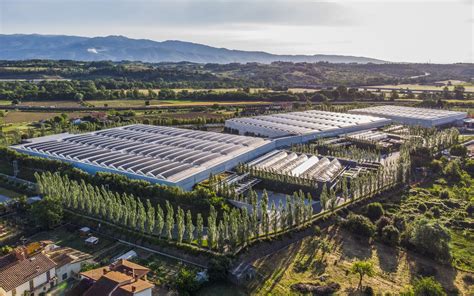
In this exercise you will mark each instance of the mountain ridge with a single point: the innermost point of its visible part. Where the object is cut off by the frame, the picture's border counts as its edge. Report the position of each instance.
(121, 48)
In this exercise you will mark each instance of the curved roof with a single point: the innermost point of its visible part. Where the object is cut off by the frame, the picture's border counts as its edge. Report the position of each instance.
(154, 151)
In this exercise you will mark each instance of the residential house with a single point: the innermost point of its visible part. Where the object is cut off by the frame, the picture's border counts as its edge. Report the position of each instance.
(121, 278)
(20, 273)
(68, 262)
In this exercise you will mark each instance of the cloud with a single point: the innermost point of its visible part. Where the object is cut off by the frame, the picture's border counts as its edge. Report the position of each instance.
(175, 13)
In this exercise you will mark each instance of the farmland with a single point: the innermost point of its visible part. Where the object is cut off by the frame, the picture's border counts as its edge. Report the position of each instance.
(421, 87)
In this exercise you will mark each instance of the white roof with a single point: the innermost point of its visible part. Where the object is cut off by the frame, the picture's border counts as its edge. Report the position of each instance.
(410, 112)
(85, 229)
(130, 254)
(305, 122)
(158, 152)
(92, 239)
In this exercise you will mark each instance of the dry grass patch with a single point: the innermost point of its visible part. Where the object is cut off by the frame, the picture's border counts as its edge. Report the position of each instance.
(328, 259)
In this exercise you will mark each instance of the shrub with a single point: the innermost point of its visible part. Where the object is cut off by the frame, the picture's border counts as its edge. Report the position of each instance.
(444, 194)
(374, 211)
(390, 235)
(453, 171)
(186, 282)
(458, 150)
(428, 287)
(218, 268)
(360, 225)
(381, 223)
(469, 167)
(430, 238)
(369, 291)
(436, 211)
(436, 166)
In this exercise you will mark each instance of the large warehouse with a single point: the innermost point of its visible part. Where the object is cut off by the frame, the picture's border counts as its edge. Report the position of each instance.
(413, 116)
(299, 127)
(165, 155)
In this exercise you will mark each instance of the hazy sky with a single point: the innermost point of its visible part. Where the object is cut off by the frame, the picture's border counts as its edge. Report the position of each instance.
(411, 31)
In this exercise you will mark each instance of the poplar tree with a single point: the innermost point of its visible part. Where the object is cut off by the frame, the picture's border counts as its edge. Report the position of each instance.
(180, 224)
(189, 227)
(160, 221)
(169, 225)
(199, 229)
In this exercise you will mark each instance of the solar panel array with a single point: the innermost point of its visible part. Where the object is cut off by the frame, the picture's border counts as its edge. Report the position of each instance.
(298, 123)
(153, 151)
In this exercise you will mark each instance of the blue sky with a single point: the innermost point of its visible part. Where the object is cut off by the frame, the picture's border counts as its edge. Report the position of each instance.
(410, 31)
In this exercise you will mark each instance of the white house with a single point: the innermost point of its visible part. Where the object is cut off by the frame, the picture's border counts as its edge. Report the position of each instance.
(20, 273)
(68, 262)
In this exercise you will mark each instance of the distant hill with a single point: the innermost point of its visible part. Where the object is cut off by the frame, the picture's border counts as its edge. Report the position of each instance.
(120, 48)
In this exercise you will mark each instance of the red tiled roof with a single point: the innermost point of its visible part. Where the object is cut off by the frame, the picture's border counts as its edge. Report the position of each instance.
(122, 278)
(18, 272)
(138, 285)
(95, 274)
(104, 286)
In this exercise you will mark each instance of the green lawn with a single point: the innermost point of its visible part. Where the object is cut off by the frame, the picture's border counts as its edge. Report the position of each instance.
(62, 237)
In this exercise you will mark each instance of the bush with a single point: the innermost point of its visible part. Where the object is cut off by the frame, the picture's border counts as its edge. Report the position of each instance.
(186, 282)
(444, 194)
(453, 171)
(360, 225)
(369, 291)
(469, 167)
(218, 268)
(458, 150)
(390, 235)
(374, 211)
(430, 238)
(381, 223)
(428, 287)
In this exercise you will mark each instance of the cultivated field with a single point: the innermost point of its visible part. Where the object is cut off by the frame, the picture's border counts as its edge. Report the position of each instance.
(17, 117)
(420, 87)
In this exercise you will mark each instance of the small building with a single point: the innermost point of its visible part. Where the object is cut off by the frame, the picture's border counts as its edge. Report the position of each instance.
(68, 262)
(21, 274)
(84, 231)
(469, 123)
(122, 278)
(424, 117)
(91, 240)
(127, 256)
(33, 199)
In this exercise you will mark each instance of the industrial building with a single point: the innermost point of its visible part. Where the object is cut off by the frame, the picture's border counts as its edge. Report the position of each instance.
(166, 155)
(299, 165)
(424, 117)
(299, 127)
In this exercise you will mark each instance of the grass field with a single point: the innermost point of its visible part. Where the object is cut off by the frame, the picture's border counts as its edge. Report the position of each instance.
(50, 104)
(62, 237)
(18, 118)
(467, 87)
(217, 90)
(141, 103)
